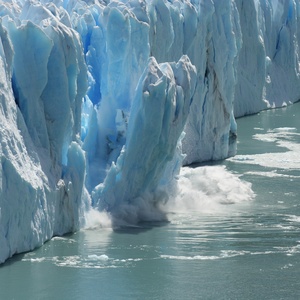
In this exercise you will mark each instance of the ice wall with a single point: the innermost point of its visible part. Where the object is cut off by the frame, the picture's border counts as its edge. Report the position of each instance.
(268, 67)
(134, 30)
(100, 99)
(42, 82)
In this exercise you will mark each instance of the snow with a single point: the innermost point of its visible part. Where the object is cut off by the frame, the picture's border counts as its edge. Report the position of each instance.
(102, 102)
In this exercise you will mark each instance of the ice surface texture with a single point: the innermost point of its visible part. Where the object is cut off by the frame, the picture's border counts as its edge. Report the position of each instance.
(42, 83)
(100, 99)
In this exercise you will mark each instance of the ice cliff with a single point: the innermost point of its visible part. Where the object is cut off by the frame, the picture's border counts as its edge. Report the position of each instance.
(103, 101)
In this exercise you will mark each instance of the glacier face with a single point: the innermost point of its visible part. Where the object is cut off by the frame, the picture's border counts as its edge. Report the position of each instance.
(43, 80)
(101, 99)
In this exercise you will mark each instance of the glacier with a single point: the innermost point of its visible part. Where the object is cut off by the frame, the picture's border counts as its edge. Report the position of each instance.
(102, 102)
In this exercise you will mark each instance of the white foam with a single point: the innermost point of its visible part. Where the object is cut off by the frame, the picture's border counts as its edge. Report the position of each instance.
(68, 261)
(293, 218)
(285, 129)
(196, 257)
(284, 137)
(286, 160)
(290, 251)
(102, 257)
(128, 260)
(224, 254)
(233, 253)
(92, 261)
(206, 189)
(287, 266)
(95, 219)
(278, 135)
(64, 239)
(274, 160)
(40, 259)
(271, 174)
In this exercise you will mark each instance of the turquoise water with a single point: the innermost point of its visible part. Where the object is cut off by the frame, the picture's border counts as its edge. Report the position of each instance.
(234, 249)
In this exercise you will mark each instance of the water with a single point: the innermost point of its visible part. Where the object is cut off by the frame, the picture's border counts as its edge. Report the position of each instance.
(222, 248)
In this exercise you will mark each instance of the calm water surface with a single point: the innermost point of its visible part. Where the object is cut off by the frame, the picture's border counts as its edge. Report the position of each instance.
(248, 250)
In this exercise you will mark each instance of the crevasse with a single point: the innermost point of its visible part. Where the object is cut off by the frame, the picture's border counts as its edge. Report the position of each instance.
(103, 101)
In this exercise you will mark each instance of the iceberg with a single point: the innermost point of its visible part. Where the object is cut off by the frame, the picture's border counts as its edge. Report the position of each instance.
(102, 102)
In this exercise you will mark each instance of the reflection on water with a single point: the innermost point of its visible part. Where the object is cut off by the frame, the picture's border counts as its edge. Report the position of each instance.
(245, 248)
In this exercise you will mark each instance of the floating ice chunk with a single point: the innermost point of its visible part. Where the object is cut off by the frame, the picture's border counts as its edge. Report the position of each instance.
(102, 257)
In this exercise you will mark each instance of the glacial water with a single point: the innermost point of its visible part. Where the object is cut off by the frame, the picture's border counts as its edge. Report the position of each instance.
(216, 247)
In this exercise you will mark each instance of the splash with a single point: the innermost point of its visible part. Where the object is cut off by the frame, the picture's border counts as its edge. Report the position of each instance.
(209, 189)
